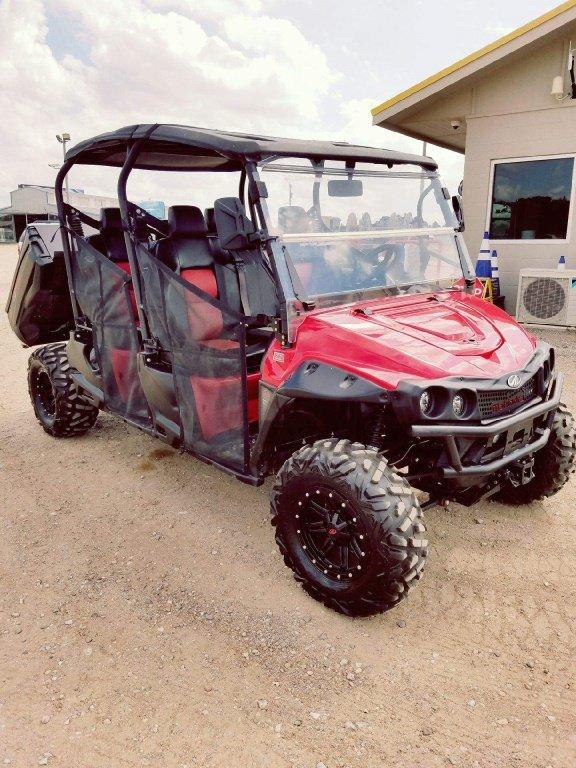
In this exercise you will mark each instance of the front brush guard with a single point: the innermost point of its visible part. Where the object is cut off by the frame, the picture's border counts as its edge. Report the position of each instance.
(449, 433)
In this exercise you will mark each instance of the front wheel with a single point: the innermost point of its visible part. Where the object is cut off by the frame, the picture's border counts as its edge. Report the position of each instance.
(553, 464)
(349, 527)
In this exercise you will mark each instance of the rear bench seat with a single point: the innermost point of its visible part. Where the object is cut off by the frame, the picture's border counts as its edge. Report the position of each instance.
(110, 241)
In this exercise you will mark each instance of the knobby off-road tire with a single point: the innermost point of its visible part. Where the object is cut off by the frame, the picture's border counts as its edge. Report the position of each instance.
(59, 405)
(363, 499)
(553, 464)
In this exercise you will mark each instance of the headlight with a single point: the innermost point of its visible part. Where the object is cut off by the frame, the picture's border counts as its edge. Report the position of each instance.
(426, 402)
(458, 405)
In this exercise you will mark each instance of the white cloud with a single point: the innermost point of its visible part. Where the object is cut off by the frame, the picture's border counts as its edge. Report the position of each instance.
(151, 61)
(224, 64)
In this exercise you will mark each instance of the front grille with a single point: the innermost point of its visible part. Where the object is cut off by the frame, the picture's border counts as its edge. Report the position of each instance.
(501, 402)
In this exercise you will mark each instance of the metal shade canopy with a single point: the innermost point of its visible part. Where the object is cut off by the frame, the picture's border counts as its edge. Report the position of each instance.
(185, 148)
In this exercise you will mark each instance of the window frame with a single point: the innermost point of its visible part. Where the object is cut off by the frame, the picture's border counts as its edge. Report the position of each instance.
(535, 241)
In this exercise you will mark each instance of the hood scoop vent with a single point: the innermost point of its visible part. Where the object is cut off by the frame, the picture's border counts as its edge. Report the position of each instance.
(447, 324)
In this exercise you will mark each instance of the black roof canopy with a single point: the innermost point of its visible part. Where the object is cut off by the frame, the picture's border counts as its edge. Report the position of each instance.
(183, 148)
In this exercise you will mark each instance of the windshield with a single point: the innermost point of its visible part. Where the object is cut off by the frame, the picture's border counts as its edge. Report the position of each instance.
(361, 231)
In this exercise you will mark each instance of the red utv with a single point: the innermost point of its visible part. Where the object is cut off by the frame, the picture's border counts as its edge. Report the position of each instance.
(320, 323)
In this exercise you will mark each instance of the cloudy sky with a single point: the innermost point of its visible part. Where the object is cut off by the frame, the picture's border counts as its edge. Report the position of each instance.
(307, 68)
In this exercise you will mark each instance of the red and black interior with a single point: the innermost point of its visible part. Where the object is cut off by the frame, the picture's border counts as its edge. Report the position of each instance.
(110, 241)
(193, 253)
(197, 258)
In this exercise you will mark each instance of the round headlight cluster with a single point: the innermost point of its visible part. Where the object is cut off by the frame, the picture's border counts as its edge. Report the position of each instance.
(437, 402)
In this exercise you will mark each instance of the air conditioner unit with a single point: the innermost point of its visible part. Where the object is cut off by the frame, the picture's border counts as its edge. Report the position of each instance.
(547, 297)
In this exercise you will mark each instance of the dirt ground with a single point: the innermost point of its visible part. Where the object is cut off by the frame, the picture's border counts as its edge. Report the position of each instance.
(147, 619)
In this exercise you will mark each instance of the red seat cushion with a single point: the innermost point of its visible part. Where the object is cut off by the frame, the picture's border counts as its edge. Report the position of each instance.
(205, 319)
(218, 400)
(219, 403)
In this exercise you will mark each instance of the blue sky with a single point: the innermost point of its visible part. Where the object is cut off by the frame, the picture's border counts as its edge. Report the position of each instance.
(300, 67)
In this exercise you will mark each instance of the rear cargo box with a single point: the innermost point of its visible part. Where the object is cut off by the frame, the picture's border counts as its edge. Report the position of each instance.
(39, 309)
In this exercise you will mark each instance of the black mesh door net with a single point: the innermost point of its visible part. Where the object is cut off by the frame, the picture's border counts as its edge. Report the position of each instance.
(105, 296)
(205, 344)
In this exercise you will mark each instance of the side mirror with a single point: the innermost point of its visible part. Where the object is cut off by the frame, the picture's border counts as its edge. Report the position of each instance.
(233, 227)
(458, 211)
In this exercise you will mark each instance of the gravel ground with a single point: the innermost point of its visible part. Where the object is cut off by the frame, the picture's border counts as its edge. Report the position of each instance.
(146, 619)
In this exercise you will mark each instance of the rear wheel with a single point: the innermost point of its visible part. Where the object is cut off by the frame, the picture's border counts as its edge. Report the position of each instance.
(348, 526)
(59, 405)
(553, 464)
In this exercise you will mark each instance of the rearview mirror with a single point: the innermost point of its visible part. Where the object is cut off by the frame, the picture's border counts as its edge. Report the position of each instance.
(345, 188)
(233, 227)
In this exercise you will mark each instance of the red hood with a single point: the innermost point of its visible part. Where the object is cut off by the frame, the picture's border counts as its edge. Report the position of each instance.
(426, 336)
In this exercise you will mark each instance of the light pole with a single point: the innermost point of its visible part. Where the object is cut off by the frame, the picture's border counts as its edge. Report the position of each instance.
(64, 138)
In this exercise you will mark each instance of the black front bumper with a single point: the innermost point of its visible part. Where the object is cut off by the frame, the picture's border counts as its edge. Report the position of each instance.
(536, 420)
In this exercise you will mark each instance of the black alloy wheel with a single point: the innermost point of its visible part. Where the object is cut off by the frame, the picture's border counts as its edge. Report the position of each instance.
(332, 532)
(348, 526)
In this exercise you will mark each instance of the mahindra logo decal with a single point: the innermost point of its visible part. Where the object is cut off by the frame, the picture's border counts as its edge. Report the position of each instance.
(513, 381)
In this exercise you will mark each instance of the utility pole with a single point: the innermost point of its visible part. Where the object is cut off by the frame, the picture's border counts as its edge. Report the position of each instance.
(64, 138)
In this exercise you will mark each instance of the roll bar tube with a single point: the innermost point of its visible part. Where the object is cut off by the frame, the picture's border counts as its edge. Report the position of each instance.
(127, 168)
(66, 241)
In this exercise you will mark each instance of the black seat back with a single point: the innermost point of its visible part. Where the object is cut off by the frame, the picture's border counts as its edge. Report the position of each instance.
(187, 246)
(235, 232)
(110, 239)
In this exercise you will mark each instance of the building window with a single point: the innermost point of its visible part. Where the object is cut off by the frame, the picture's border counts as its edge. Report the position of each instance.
(531, 199)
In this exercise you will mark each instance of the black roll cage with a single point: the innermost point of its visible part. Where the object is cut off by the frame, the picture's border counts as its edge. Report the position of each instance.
(134, 217)
(183, 148)
(138, 147)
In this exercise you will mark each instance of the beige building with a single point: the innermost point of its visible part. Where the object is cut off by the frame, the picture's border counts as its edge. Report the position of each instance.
(511, 108)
